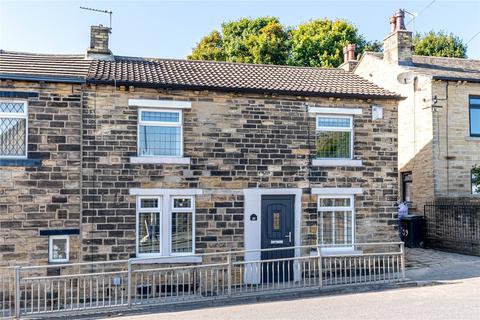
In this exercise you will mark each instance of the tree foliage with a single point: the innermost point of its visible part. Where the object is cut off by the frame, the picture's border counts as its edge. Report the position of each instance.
(265, 40)
(315, 43)
(439, 44)
(319, 43)
(476, 177)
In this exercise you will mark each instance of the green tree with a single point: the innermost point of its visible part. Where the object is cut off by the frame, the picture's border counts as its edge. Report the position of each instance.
(439, 44)
(319, 43)
(260, 40)
(476, 177)
(209, 48)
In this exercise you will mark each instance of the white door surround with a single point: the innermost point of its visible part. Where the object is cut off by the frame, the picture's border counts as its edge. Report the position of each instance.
(253, 228)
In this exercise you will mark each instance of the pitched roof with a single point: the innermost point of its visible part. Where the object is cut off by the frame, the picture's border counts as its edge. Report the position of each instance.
(448, 68)
(190, 75)
(64, 67)
(443, 67)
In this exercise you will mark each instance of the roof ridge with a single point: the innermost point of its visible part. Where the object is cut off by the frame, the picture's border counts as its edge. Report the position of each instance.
(447, 58)
(2, 51)
(228, 62)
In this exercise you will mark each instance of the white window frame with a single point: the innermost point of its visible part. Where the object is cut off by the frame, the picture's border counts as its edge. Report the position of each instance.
(178, 124)
(337, 129)
(159, 209)
(165, 207)
(190, 209)
(347, 208)
(50, 248)
(11, 115)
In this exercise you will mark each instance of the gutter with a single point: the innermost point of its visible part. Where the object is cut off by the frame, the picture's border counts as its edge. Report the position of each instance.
(8, 76)
(243, 90)
(444, 78)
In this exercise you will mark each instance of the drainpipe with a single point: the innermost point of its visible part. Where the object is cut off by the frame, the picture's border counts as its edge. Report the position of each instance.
(446, 139)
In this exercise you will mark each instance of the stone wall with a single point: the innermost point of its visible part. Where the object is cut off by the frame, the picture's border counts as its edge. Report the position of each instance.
(455, 153)
(234, 142)
(42, 192)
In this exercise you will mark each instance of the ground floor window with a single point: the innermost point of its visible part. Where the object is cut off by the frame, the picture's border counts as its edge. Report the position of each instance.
(476, 179)
(58, 249)
(336, 220)
(165, 225)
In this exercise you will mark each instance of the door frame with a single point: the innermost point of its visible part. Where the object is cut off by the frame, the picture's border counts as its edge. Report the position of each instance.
(253, 228)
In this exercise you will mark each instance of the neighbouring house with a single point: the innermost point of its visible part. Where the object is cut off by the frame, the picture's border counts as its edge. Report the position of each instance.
(106, 157)
(439, 119)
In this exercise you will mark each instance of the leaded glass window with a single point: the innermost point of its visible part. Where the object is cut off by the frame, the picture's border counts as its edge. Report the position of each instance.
(160, 133)
(13, 129)
(334, 137)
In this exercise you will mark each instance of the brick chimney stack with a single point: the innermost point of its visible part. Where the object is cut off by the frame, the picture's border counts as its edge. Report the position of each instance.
(397, 46)
(99, 43)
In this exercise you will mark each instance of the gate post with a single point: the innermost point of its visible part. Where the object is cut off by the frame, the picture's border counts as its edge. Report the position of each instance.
(320, 268)
(229, 273)
(129, 283)
(402, 250)
(17, 292)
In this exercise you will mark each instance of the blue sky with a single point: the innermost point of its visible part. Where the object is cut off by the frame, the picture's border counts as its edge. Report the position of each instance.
(170, 29)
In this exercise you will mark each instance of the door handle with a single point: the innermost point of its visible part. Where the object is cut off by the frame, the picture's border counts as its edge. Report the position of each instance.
(289, 236)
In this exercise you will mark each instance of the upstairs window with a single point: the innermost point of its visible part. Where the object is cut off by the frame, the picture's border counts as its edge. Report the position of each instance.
(13, 129)
(160, 133)
(334, 137)
(475, 116)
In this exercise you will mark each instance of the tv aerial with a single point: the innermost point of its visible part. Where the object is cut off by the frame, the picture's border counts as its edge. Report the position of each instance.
(109, 12)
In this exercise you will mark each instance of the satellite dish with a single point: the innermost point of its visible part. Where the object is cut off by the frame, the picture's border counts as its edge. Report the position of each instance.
(405, 77)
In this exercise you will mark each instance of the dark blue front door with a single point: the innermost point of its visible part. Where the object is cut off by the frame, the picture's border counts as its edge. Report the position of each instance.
(277, 232)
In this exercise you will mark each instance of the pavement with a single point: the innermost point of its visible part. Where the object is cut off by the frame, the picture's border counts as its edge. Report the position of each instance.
(459, 300)
(434, 265)
(440, 285)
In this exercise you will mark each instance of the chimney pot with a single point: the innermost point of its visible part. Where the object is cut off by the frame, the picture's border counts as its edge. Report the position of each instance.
(351, 52)
(400, 23)
(345, 54)
(393, 24)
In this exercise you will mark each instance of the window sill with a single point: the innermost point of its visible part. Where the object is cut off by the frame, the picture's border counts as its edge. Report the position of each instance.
(168, 259)
(165, 160)
(338, 251)
(5, 162)
(337, 163)
(472, 138)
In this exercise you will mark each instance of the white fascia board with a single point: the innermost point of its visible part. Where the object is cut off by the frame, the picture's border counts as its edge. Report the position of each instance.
(151, 103)
(337, 163)
(160, 160)
(337, 191)
(166, 192)
(167, 259)
(335, 110)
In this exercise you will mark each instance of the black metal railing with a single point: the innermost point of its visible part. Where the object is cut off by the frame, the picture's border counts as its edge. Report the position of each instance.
(453, 225)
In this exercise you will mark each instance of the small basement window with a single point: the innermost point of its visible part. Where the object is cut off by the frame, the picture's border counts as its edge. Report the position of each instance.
(58, 249)
(13, 129)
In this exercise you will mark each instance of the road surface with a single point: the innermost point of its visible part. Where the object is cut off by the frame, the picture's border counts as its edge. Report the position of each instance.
(459, 299)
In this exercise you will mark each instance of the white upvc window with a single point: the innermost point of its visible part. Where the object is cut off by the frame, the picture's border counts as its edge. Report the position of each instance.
(334, 136)
(336, 220)
(165, 225)
(160, 133)
(58, 248)
(13, 129)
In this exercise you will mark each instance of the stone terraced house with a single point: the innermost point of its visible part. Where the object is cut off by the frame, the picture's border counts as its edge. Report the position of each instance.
(439, 119)
(104, 157)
